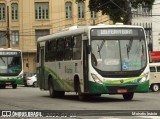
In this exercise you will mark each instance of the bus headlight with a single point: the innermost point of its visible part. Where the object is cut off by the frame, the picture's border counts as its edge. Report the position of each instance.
(146, 76)
(96, 79)
(20, 76)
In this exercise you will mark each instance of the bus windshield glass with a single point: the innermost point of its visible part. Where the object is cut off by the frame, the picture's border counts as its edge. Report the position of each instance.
(10, 63)
(123, 52)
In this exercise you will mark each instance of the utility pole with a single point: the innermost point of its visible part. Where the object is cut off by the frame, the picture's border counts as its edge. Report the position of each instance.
(94, 22)
(8, 27)
(129, 13)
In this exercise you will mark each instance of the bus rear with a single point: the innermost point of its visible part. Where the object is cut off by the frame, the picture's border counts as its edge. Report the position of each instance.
(119, 61)
(11, 68)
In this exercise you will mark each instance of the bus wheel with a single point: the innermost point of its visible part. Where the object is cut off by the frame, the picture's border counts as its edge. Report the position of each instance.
(52, 92)
(14, 86)
(60, 93)
(155, 87)
(81, 96)
(2, 86)
(128, 96)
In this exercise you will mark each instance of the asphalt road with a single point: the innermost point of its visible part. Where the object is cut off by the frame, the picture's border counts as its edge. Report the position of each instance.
(29, 98)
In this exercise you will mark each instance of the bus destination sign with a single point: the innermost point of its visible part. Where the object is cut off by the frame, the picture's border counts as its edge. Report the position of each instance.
(8, 53)
(116, 32)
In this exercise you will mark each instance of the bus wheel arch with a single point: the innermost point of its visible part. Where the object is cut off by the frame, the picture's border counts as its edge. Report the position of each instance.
(76, 83)
(49, 80)
(2, 86)
(77, 88)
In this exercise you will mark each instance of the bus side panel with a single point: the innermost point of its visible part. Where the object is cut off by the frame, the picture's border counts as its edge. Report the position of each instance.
(51, 71)
(70, 69)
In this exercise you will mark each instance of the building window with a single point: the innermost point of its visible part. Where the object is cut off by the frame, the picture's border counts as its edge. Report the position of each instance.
(142, 11)
(41, 32)
(68, 6)
(81, 9)
(15, 37)
(41, 10)
(14, 11)
(93, 14)
(2, 11)
(2, 38)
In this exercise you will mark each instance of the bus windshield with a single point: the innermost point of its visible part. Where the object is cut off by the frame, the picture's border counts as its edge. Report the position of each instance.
(10, 65)
(128, 54)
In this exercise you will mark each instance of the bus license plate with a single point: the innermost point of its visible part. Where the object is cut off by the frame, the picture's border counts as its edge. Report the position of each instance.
(122, 90)
(8, 83)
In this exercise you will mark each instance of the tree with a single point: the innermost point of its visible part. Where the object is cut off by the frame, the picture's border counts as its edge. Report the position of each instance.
(118, 10)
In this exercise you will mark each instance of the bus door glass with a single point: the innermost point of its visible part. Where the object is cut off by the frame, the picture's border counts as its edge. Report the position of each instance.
(85, 64)
(42, 81)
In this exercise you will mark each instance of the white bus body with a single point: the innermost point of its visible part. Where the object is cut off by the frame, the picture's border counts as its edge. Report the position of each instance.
(94, 60)
(11, 67)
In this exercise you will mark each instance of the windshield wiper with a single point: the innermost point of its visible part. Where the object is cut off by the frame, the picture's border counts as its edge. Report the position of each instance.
(3, 60)
(129, 45)
(100, 47)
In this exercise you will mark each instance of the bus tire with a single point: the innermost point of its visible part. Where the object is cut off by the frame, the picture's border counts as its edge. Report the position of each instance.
(128, 96)
(14, 86)
(97, 95)
(81, 96)
(60, 94)
(2, 86)
(52, 92)
(154, 87)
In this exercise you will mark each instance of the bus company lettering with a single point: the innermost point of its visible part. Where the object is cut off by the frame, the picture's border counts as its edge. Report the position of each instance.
(116, 31)
(68, 70)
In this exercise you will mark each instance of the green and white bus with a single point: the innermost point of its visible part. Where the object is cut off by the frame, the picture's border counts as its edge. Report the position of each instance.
(11, 67)
(94, 60)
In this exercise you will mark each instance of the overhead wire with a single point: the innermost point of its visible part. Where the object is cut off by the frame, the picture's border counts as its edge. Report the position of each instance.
(64, 19)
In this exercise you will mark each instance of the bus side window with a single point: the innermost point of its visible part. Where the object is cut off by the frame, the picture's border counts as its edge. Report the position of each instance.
(53, 50)
(47, 50)
(38, 47)
(77, 47)
(60, 50)
(68, 49)
(152, 69)
(158, 68)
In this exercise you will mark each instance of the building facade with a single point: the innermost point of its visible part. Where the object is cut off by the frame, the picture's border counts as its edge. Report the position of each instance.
(23, 21)
(142, 16)
(156, 25)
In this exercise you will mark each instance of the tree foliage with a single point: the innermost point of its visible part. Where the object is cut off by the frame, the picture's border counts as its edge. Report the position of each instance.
(118, 10)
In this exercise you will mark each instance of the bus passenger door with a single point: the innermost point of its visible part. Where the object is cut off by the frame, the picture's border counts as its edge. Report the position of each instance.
(42, 77)
(85, 65)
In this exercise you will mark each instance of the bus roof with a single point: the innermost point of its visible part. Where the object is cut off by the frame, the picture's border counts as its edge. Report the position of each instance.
(81, 29)
(9, 49)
